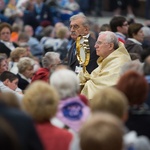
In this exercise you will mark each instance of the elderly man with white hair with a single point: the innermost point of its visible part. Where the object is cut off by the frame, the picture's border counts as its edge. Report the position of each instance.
(113, 56)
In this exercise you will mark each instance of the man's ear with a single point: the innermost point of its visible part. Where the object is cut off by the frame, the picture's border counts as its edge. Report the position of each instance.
(111, 46)
(87, 29)
(119, 28)
(6, 82)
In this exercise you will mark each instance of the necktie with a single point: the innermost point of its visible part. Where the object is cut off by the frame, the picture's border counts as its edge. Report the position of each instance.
(73, 51)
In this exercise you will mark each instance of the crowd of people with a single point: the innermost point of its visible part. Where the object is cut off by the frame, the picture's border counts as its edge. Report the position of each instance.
(49, 100)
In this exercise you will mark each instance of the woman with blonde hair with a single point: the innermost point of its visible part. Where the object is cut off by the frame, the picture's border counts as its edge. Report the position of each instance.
(15, 55)
(41, 101)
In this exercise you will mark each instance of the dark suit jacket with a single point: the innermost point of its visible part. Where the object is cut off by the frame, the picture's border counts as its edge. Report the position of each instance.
(23, 126)
(93, 57)
(45, 14)
(22, 84)
(5, 49)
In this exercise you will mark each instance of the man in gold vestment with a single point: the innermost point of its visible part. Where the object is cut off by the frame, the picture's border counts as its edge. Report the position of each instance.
(113, 56)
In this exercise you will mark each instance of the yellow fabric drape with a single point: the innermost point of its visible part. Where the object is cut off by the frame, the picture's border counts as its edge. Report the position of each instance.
(106, 74)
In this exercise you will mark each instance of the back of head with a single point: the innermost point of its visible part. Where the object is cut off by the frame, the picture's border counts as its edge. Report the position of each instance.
(62, 32)
(105, 27)
(134, 86)
(133, 65)
(101, 132)
(10, 99)
(116, 21)
(134, 29)
(66, 82)
(146, 31)
(50, 58)
(110, 100)
(17, 53)
(40, 101)
(23, 37)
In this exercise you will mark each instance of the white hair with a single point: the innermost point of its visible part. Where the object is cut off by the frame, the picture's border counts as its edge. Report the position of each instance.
(134, 65)
(146, 31)
(50, 58)
(66, 83)
(110, 37)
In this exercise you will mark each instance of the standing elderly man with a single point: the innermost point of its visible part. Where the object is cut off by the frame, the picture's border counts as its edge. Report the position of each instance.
(113, 56)
(79, 25)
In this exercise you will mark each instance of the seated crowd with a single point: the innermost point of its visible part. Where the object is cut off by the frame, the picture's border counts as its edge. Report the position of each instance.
(51, 100)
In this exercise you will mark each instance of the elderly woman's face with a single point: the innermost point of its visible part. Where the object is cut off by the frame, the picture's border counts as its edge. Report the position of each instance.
(5, 34)
(3, 66)
(29, 72)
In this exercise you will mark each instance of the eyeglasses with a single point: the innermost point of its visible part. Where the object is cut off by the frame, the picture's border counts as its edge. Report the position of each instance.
(126, 24)
(100, 43)
(2, 33)
(75, 27)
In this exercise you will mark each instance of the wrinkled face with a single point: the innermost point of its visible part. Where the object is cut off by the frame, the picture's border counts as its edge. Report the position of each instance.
(29, 72)
(3, 66)
(77, 28)
(139, 36)
(103, 48)
(5, 34)
(13, 85)
(54, 66)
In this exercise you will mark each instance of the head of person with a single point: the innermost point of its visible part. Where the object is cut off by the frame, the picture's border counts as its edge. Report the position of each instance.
(112, 101)
(56, 28)
(26, 67)
(47, 31)
(135, 31)
(101, 132)
(62, 32)
(79, 25)
(18, 53)
(10, 99)
(66, 82)
(146, 31)
(119, 24)
(105, 27)
(106, 43)
(9, 79)
(40, 101)
(50, 60)
(5, 32)
(134, 65)
(23, 37)
(26, 46)
(134, 86)
(29, 30)
(3, 63)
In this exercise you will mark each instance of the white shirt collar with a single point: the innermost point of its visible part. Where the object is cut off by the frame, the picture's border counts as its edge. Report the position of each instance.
(135, 41)
(27, 79)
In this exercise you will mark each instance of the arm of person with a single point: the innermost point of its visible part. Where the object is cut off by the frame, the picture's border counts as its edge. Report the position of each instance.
(83, 77)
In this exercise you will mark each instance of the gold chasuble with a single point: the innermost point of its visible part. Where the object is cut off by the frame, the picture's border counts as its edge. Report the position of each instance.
(106, 74)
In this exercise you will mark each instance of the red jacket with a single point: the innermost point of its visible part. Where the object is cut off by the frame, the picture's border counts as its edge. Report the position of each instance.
(53, 138)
